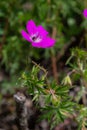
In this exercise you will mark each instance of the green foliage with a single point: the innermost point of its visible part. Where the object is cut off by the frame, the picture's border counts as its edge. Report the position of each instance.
(79, 64)
(55, 97)
(52, 13)
(31, 80)
(58, 104)
(78, 73)
(82, 118)
(66, 18)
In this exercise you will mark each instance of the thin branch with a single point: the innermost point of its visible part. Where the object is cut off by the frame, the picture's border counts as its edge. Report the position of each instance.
(45, 71)
(53, 58)
(41, 68)
(5, 31)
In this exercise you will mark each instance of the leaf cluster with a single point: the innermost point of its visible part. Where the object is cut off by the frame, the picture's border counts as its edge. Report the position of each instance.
(57, 103)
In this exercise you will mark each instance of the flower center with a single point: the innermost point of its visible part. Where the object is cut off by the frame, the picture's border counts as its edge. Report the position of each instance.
(36, 38)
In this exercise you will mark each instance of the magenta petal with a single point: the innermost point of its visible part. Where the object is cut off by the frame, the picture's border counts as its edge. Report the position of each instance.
(25, 35)
(85, 13)
(45, 43)
(37, 45)
(48, 42)
(31, 27)
(42, 31)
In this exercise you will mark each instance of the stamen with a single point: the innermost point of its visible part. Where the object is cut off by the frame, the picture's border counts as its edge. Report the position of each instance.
(36, 38)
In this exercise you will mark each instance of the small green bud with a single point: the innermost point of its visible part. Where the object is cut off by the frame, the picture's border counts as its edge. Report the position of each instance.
(67, 81)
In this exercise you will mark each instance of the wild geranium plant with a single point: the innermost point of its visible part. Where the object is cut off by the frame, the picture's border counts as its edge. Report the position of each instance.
(54, 96)
(37, 35)
(58, 104)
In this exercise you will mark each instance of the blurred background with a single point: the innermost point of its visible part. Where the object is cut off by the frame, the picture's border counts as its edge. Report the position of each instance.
(64, 21)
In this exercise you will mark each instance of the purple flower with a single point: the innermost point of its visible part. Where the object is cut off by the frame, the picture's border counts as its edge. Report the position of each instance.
(85, 13)
(37, 35)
